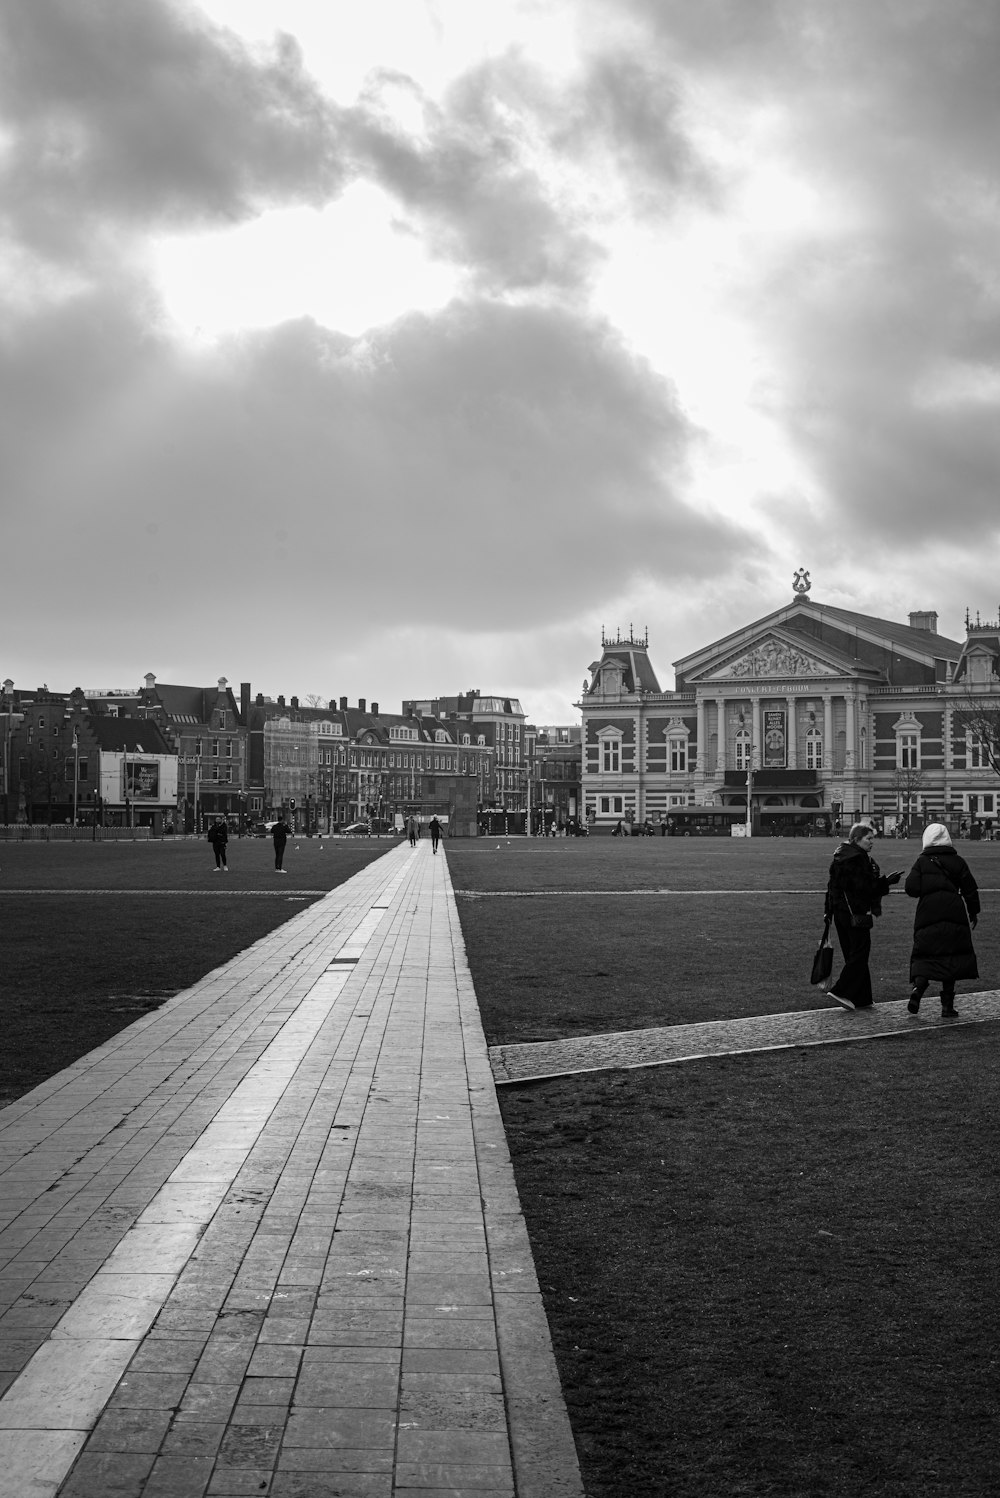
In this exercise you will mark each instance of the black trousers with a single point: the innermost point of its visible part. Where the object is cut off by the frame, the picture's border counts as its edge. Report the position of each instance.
(279, 853)
(855, 979)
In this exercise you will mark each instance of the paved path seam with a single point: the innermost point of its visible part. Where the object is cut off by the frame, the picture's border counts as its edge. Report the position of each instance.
(669, 1044)
(267, 1240)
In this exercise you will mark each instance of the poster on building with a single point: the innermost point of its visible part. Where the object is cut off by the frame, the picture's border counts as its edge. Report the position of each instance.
(774, 738)
(142, 780)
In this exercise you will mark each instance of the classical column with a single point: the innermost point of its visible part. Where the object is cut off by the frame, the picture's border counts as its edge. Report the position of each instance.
(720, 736)
(827, 731)
(792, 755)
(850, 756)
(756, 747)
(702, 760)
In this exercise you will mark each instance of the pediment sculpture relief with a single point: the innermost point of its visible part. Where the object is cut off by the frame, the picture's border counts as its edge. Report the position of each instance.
(774, 658)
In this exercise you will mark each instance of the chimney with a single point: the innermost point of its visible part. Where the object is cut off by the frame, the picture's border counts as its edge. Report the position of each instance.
(361, 704)
(245, 700)
(343, 704)
(223, 683)
(281, 702)
(295, 703)
(332, 705)
(925, 620)
(150, 681)
(374, 709)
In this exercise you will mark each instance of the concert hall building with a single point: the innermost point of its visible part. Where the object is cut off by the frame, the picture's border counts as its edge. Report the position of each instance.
(834, 714)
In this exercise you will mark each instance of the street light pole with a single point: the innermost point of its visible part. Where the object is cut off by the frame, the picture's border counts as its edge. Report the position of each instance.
(76, 775)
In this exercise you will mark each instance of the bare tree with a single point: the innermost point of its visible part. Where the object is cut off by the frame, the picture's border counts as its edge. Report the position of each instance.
(313, 699)
(979, 719)
(908, 782)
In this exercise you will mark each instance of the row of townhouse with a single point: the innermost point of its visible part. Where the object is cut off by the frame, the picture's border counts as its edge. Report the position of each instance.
(818, 714)
(173, 758)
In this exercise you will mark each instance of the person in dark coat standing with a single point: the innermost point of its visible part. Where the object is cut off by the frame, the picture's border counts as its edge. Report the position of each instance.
(279, 836)
(854, 892)
(411, 828)
(435, 833)
(947, 899)
(218, 836)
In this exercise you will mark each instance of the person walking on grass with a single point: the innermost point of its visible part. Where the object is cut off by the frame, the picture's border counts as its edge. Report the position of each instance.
(218, 836)
(854, 894)
(435, 833)
(279, 836)
(947, 899)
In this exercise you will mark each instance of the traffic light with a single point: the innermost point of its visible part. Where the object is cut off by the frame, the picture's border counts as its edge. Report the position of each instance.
(292, 802)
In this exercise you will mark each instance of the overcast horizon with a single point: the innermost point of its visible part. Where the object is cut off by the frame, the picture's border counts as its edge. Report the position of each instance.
(393, 351)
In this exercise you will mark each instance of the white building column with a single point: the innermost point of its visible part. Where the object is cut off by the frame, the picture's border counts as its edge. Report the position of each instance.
(756, 747)
(720, 736)
(792, 746)
(827, 731)
(851, 755)
(702, 761)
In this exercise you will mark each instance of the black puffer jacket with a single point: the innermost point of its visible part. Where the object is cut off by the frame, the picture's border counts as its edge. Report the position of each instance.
(856, 885)
(948, 898)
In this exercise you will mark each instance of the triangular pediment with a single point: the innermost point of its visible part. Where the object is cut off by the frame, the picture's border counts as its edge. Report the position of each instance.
(775, 655)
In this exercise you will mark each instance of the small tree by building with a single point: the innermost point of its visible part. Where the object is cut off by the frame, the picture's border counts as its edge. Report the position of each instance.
(908, 783)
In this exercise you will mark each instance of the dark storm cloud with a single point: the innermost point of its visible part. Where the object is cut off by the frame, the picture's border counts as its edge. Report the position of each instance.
(145, 115)
(507, 464)
(469, 178)
(883, 323)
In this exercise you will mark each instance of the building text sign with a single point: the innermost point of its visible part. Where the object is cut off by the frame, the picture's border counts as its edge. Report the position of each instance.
(142, 780)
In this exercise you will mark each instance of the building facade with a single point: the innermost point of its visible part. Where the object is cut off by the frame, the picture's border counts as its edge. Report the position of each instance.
(826, 711)
(495, 723)
(553, 756)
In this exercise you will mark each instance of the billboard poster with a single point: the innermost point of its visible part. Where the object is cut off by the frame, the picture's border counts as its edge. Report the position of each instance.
(142, 780)
(774, 738)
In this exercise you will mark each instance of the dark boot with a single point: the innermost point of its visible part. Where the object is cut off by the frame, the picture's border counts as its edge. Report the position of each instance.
(948, 1010)
(916, 994)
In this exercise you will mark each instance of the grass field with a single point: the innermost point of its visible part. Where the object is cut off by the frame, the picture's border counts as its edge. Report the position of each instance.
(97, 934)
(772, 1274)
(768, 1274)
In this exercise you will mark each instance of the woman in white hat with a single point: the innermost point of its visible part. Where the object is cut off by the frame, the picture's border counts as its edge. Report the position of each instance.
(947, 910)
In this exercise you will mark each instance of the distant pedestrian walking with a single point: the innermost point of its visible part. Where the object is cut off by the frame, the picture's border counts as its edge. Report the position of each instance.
(411, 828)
(218, 836)
(947, 899)
(435, 833)
(854, 894)
(279, 836)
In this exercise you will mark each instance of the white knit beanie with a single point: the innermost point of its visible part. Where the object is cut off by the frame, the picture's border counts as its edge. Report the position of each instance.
(936, 835)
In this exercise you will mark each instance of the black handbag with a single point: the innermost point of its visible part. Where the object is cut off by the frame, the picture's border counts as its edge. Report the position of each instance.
(864, 921)
(823, 961)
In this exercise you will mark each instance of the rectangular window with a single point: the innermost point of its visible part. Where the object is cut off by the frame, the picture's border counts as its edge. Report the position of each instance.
(908, 751)
(611, 806)
(611, 756)
(814, 754)
(229, 748)
(83, 768)
(678, 755)
(215, 748)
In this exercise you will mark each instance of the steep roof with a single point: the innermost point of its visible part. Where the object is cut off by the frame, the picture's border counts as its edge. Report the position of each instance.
(132, 734)
(921, 640)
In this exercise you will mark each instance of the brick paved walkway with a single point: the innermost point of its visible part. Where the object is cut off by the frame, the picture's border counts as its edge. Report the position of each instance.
(727, 1037)
(267, 1240)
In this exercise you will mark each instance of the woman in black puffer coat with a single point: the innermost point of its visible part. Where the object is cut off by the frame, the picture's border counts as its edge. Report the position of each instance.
(855, 889)
(947, 910)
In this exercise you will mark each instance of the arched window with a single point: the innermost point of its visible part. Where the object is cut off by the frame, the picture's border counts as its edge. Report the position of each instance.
(742, 750)
(814, 749)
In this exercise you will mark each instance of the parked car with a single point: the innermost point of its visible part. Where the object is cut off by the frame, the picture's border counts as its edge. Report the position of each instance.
(355, 829)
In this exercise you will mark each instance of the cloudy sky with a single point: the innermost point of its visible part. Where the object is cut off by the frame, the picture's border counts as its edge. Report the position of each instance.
(393, 349)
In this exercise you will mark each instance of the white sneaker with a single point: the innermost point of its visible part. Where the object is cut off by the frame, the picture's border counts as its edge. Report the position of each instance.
(216, 869)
